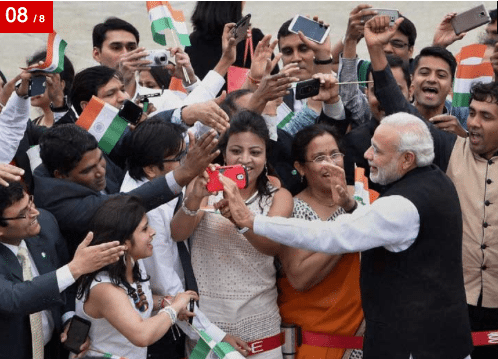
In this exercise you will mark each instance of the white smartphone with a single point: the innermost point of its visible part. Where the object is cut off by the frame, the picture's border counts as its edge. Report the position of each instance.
(311, 29)
(392, 13)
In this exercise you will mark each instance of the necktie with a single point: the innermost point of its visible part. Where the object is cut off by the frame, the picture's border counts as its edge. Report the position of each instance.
(35, 319)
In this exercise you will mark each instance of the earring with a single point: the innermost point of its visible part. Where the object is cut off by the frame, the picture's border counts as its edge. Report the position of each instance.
(266, 170)
(302, 178)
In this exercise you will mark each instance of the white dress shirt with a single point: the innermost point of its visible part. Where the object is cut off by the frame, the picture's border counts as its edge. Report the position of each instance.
(391, 222)
(13, 121)
(64, 280)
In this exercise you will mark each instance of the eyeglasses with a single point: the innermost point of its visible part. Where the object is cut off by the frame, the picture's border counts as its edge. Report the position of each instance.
(398, 44)
(334, 157)
(22, 216)
(179, 158)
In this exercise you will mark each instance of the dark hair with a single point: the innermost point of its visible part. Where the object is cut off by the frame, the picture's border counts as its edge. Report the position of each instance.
(229, 105)
(249, 121)
(8, 196)
(395, 62)
(440, 52)
(150, 143)
(303, 138)
(115, 220)
(87, 83)
(67, 74)
(110, 24)
(408, 29)
(161, 76)
(485, 92)
(209, 17)
(492, 15)
(284, 30)
(62, 147)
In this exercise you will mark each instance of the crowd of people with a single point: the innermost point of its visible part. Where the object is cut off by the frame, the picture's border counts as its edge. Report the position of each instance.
(294, 265)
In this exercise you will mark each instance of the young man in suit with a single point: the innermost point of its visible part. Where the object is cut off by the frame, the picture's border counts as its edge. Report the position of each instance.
(34, 302)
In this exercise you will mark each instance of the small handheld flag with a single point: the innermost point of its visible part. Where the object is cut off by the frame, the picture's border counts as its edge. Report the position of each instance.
(103, 122)
(162, 16)
(54, 62)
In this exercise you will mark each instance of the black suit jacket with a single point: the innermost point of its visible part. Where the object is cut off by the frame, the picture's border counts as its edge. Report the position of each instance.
(18, 299)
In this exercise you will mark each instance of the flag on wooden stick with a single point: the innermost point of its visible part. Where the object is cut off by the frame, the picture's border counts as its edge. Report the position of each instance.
(162, 16)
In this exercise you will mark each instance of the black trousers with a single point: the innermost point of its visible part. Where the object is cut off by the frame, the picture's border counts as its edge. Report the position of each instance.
(483, 319)
(169, 346)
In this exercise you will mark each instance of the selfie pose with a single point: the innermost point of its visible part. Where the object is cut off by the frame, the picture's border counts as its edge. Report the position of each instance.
(236, 282)
(117, 299)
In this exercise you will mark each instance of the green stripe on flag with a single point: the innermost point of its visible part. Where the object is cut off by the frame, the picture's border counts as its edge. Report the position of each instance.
(222, 349)
(60, 65)
(112, 134)
(160, 25)
(363, 71)
(184, 39)
(286, 120)
(461, 100)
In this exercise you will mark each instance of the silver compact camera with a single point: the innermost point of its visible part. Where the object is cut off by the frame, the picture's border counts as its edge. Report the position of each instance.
(158, 58)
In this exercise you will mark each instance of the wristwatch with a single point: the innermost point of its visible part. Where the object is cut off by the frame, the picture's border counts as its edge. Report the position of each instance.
(63, 108)
(242, 230)
(323, 62)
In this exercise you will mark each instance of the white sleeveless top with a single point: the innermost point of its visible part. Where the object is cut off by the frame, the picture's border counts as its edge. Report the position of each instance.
(104, 336)
(237, 284)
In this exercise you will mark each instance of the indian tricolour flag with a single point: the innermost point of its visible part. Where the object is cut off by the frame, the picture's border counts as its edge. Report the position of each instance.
(54, 62)
(162, 16)
(205, 345)
(102, 121)
(362, 194)
(470, 71)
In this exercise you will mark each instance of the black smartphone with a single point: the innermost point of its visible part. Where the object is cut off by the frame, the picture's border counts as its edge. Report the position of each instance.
(77, 334)
(191, 309)
(307, 88)
(470, 19)
(130, 112)
(37, 85)
(239, 32)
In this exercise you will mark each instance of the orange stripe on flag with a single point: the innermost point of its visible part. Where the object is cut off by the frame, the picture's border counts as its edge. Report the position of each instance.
(475, 50)
(176, 85)
(176, 14)
(50, 51)
(474, 71)
(90, 113)
(153, 4)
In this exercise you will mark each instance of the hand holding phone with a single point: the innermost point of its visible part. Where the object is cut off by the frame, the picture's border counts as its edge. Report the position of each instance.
(239, 32)
(37, 85)
(313, 30)
(236, 173)
(470, 19)
(392, 13)
(77, 334)
(307, 88)
(130, 112)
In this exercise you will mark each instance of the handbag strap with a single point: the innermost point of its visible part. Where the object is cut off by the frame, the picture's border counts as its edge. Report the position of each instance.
(249, 45)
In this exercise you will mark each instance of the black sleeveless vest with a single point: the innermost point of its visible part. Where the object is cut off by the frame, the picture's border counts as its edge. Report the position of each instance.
(414, 300)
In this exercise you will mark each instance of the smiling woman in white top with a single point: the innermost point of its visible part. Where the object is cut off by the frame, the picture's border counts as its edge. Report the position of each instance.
(117, 299)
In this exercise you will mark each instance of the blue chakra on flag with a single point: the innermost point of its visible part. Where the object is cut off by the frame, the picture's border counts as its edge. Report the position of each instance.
(99, 127)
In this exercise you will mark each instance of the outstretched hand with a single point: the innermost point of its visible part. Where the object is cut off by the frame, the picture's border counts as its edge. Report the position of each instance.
(9, 173)
(239, 213)
(88, 258)
(340, 194)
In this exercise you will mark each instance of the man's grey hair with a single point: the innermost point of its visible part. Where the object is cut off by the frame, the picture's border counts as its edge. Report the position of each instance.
(414, 136)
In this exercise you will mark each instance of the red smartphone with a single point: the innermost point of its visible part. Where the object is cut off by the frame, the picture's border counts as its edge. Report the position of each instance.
(236, 173)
